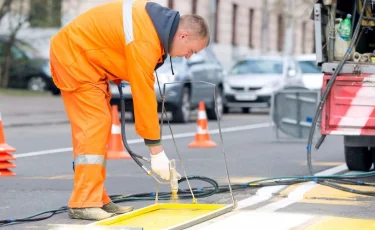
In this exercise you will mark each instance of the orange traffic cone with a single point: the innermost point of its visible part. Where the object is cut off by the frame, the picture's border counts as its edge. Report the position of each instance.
(115, 146)
(5, 157)
(202, 137)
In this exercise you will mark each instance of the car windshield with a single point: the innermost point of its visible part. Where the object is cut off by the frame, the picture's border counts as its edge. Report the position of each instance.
(166, 67)
(309, 67)
(258, 67)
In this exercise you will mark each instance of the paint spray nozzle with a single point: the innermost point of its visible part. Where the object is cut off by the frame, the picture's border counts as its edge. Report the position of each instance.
(173, 178)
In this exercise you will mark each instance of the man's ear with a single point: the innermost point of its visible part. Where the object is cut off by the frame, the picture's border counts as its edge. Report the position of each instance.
(183, 34)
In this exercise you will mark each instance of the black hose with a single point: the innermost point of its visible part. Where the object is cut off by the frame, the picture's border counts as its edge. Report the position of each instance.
(328, 89)
(123, 134)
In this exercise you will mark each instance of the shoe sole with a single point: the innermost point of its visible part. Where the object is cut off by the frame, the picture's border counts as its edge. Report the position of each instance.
(121, 212)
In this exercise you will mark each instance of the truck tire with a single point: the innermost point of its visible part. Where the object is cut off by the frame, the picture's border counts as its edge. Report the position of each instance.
(358, 158)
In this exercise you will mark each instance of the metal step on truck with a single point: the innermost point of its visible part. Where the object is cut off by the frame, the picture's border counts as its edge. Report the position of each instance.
(348, 64)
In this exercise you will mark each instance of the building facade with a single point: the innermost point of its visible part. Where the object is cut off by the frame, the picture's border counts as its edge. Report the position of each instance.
(238, 27)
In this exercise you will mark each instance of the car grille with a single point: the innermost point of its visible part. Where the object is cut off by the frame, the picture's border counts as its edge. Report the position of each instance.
(245, 88)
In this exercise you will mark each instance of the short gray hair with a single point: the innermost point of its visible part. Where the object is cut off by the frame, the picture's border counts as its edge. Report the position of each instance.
(195, 23)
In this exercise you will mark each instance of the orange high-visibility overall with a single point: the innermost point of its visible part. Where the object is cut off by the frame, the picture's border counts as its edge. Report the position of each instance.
(121, 40)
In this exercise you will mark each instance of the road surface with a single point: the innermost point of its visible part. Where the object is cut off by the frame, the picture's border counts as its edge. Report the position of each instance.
(44, 176)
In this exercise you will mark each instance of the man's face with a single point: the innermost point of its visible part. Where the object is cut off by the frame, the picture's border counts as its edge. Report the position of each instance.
(185, 45)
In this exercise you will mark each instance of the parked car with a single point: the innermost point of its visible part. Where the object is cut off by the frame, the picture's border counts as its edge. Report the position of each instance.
(183, 97)
(251, 81)
(28, 69)
(312, 75)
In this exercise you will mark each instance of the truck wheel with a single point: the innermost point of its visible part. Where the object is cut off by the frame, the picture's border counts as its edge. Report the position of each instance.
(358, 158)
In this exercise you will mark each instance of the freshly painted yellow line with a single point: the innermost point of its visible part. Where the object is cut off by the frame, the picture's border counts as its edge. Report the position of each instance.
(335, 223)
(161, 216)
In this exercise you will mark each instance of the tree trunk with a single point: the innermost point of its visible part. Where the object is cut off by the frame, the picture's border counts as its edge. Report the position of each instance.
(4, 77)
(5, 65)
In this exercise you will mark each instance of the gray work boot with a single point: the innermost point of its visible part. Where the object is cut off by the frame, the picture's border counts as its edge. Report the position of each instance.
(113, 208)
(89, 213)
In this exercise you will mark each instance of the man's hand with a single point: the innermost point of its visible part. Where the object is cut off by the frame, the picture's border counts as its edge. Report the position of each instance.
(160, 165)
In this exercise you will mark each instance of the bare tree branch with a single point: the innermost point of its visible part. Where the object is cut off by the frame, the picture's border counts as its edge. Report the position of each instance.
(5, 8)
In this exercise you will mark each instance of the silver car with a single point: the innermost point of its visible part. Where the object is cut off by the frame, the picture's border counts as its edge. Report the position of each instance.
(252, 81)
(185, 89)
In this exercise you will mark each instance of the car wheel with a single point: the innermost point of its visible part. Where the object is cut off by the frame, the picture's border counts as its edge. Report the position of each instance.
(211, 113)
(37, 84)
(182, 113)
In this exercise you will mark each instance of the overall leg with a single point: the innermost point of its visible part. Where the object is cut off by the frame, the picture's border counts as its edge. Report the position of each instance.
(91, 125)
(109, 206)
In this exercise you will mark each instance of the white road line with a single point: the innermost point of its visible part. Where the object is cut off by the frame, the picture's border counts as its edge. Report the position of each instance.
(165, 137)
(256, 217)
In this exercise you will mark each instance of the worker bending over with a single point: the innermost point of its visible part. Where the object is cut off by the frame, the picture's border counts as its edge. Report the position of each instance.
(120, 40)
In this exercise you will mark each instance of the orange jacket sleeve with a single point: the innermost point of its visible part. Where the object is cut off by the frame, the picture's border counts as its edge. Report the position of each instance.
(142, 57)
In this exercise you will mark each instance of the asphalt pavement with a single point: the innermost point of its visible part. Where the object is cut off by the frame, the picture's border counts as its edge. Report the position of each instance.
(32, 110)
(44, 172)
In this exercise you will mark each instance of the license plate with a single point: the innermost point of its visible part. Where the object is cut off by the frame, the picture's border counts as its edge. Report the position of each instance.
(246, 97)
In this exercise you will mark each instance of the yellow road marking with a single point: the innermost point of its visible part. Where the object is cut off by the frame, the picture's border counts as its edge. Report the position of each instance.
(324, 192)
(334, 223)
(49, 177)
(334, 202)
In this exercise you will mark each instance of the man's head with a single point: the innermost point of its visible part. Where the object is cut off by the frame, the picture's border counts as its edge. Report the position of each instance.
(191, 37)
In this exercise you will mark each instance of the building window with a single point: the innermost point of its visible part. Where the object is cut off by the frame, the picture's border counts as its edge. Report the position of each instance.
(251, 23)
(170, 4)
(234, 28)
(45, 13)
(216, 32)
(280, 32)
(194, 6)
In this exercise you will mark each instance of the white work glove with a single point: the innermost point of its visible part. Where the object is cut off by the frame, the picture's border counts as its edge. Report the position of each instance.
(160, 165)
